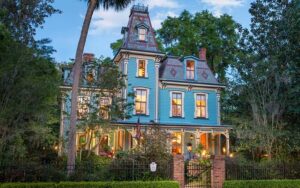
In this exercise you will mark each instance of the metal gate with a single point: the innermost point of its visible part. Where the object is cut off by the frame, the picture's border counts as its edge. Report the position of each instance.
(197, 175)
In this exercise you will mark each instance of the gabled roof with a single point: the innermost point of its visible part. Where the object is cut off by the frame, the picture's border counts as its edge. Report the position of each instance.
(173, 69)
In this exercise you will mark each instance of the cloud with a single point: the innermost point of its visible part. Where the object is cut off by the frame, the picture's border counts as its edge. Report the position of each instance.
(110, 20)
(107, 21)
(161, 3)
(219, 5)
(160, 17)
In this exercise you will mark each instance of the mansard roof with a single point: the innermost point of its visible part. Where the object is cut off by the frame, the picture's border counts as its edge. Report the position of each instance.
(139, 17)
(173, 69)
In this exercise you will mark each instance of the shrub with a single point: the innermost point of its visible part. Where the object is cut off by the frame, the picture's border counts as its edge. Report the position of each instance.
(262, 184)
(125, 184)
(28, 185)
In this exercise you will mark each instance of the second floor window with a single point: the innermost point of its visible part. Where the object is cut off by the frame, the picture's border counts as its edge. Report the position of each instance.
(141, 68)
(140, 101)
(177, 106)
(104, 107)
(142, 34)
(190, 69)
(201, 106)
(83, 107)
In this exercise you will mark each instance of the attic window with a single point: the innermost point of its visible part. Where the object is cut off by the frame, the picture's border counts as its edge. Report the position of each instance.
(142, 32)
(190, 69)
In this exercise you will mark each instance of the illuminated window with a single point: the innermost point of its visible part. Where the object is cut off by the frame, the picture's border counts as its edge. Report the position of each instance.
(190, 69)
(142, 34)
(121, 138)
(177, 104)
(90, 76)
(104, 107)
(201, 106)
(83, 107)
(141, 68)
(176, 143)
(140, 101)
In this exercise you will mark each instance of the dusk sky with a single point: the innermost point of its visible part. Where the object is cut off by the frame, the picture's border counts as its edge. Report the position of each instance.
(64, 29)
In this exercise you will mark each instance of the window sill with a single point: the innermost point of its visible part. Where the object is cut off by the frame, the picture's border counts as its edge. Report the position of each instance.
(142, 77)
(203, 118)
(177, 117)
(140, 115)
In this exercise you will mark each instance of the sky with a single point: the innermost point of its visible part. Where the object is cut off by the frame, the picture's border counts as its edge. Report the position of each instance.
(64, 29)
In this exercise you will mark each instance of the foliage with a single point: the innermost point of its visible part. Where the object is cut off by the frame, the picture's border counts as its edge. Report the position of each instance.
(184, 35)
(22, 18)
(92, 6)
(28, 93)
(109, 84)
(264, 79)
(262, 184)
(153, 146)
(135, 184)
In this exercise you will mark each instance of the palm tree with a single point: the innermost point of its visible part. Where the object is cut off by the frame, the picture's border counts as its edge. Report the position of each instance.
(92, 6)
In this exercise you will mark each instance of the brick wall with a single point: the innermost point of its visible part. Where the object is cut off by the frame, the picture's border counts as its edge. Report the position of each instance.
(217, 171)
(178, 169)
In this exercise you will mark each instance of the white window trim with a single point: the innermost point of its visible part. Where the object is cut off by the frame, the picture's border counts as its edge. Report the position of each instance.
(182, 94)
(195, 105)
(147, 101)
(138, 33)
(137, 68)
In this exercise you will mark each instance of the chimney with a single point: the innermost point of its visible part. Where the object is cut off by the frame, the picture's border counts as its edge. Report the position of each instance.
(88, 57)
(202, 54)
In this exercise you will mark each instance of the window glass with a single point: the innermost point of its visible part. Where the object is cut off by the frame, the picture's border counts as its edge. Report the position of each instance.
(190, 69)
(201, 105)
(176, 104)
(142, 34)
(104, 107)
(140, 101)
(82, 106)
(141, 68)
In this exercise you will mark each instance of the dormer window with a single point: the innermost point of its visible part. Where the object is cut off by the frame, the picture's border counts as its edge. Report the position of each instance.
(190, 69)
(142, 32)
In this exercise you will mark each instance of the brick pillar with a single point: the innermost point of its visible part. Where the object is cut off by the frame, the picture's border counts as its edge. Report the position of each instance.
(217, 171)
(178, 169)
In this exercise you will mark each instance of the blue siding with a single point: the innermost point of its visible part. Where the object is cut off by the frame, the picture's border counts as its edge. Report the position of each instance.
(189, 107)
(148, 82)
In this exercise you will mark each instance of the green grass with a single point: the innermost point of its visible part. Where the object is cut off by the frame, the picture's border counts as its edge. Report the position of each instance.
(262, 184)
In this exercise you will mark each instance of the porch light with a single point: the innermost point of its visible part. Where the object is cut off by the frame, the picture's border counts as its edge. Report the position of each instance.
(231, 155)
(224, 150)
(203, 153)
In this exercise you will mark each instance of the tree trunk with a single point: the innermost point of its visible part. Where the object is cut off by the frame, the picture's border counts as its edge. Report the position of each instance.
(75, 86)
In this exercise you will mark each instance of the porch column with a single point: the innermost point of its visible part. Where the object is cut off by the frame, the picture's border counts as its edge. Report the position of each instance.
(227, 143)
(182, 141)
(213, 143)
(197, 138)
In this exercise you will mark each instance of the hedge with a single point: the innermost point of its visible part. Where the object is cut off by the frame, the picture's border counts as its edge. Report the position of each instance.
(262, 184)
(123, 184)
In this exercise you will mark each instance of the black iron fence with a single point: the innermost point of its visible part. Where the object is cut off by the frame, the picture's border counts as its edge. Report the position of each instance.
(260, 172)
(197, 175)
(119, 170)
